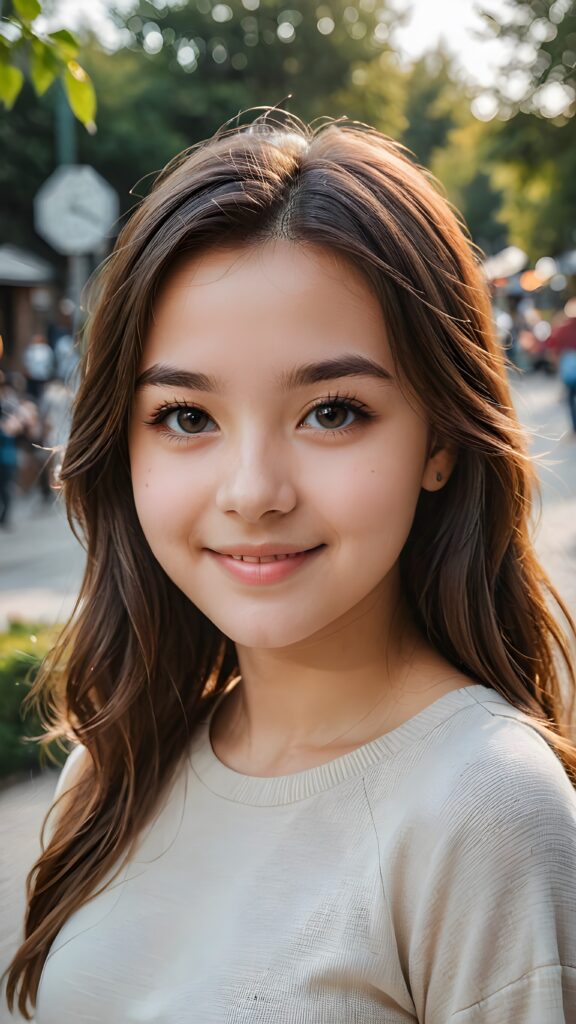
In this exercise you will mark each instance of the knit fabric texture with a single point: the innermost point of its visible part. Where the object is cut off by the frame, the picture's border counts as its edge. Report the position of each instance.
(428, 876)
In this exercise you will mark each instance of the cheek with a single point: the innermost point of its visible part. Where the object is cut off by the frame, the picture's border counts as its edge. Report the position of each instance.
(376, 493)
(162, 498)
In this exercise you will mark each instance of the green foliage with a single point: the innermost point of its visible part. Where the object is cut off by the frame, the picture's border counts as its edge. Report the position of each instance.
(257, 57)
(11, 81)
(44, 57)
(375, 94)
(444, 136)
(180, 73)
(27, 148)
(43, 67)
(541, 40)
(529, 151)
(154, 104)
(436, 104)
(463, 166)
(22, 648)
(535, 166)
(80, 92)
(27, 10)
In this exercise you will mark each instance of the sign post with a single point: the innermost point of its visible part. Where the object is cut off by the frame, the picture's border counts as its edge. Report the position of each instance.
(74, 211)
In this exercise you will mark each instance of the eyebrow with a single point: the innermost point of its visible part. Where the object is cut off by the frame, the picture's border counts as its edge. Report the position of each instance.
(353, 365)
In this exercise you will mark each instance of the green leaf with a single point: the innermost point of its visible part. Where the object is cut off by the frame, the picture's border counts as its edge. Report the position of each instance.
(27, 9)
(80, 93)
(46, 53)
(65, 44)
(41, 71)
(11, 81)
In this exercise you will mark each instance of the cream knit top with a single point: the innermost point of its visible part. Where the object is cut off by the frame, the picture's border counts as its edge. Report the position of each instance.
(427, 876)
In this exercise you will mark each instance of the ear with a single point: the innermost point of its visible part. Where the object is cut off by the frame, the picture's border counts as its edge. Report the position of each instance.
(441, 461)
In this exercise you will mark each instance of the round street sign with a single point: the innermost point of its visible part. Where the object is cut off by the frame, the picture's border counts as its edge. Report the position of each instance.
(75, 209)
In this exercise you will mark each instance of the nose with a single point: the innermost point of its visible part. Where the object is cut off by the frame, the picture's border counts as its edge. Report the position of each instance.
(257, 479)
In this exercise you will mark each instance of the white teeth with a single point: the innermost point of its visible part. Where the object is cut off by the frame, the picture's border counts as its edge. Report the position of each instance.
(265, 558)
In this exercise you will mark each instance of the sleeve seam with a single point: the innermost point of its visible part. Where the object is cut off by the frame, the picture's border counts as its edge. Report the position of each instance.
(387, 903)
(520, 718)
(377, 837)
(533, 970)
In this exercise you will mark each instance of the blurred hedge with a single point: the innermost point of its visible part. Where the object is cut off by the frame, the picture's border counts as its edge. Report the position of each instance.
(22, 648)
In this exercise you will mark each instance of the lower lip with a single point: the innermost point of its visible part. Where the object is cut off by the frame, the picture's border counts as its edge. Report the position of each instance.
(264, 572)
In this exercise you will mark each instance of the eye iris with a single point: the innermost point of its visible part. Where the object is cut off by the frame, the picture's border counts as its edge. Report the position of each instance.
(333, 412)
(187, 419)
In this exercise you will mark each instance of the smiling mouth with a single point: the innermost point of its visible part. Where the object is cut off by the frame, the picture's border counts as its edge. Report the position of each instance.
(273, 558)
(256, 570)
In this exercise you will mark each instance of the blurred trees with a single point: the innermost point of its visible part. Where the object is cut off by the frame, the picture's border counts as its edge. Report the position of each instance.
(245, 52)
(464, 166)
(184, 71)
(533, 146)
(28, 157)
(180, 72)
(435, 104)
(534, 164)
(541, 69)
(445, 137)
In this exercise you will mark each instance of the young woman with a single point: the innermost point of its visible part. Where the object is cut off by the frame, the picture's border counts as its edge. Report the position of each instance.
(324, 714)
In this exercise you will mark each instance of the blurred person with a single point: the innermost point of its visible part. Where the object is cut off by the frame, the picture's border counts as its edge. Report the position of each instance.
(55, 410)
(66, 357)
(19, 432)
(38, 359)
(517, 329)
(562, 344)
(32, 458)
(503, 325)
(11, 427)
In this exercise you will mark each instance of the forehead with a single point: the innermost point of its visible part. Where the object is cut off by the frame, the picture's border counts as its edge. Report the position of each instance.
(267, 303)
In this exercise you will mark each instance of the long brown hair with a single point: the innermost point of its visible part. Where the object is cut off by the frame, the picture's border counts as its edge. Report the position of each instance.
(138, 664)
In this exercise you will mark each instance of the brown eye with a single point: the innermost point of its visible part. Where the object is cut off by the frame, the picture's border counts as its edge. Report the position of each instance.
(188, 420)
(331, 414)
(177, 421)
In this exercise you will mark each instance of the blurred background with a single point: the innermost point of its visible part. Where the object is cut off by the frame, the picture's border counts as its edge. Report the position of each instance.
(96, 96)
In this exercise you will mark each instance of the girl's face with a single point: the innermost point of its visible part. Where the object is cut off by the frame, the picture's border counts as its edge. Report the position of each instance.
(258, 447)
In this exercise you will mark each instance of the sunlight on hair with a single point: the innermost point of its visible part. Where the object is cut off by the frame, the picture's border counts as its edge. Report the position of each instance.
(279, 136)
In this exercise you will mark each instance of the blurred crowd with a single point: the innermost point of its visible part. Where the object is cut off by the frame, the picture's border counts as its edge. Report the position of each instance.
(533, 341)
(35, 408)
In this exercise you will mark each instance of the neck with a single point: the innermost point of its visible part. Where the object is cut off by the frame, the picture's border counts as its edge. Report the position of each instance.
(329, 693)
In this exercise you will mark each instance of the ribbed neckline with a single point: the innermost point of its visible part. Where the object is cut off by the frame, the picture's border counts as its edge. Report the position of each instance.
(284, 789)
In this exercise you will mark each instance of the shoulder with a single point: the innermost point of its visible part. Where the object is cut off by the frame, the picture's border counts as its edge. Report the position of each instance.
(480, 869)
(76, 764)
(510, 814)
(485, 767)
(484, 818)
(506, 766)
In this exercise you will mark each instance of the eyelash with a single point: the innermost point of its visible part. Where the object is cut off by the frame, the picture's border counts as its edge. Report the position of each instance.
(345, 401)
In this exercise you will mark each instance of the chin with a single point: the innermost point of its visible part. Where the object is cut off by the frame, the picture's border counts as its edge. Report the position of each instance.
(262, 636)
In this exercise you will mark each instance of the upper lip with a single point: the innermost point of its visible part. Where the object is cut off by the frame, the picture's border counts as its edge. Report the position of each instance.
(261, 550)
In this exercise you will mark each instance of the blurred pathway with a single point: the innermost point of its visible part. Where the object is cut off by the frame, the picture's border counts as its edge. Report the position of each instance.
(540, 406)
(41, 563)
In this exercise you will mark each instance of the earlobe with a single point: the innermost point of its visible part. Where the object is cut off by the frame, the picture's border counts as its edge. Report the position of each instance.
(438, 468)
